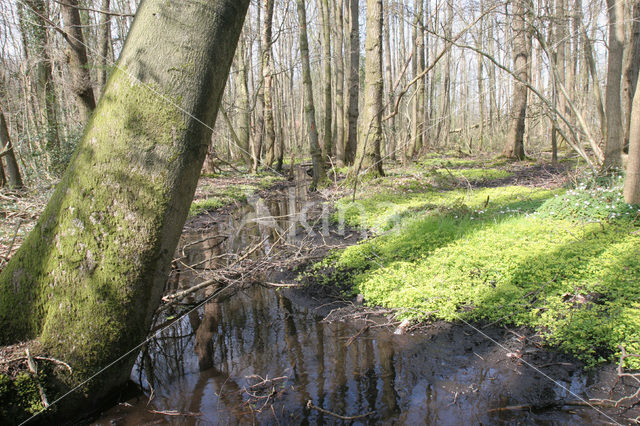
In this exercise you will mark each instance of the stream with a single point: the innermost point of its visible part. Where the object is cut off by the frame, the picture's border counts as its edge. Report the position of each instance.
(261, 354)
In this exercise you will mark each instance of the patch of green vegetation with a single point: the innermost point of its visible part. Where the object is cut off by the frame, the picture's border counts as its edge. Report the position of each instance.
(478, 175)
(19, 398)
(233, 193)
(201, 206)
(382, 211)
(449, 162)
(509, 255)
(593, 199)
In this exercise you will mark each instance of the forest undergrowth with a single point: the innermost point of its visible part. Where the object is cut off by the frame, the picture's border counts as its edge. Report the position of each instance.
(551, 248)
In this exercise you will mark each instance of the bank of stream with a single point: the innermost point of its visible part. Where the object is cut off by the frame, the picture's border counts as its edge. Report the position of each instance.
(263, 352)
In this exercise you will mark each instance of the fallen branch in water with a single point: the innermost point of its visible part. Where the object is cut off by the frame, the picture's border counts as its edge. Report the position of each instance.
(358, 334)
(175, 413)
(336, 415)
(553, 404)
(280, 285)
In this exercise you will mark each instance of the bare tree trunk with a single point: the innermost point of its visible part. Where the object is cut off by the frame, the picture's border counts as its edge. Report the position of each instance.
(444, 123)
(418, 106)
(353, 85)
(35, 25)
(339, 64)
(269, 129)
(89, 277)
(258, 127)
(368, 158)
(615, 133)
(78, 61)
(494, 114)
(521, 51)
(391, 134)
(7, 156)
(326, 60)
(319, 174)
(244, 112)
(632, 178)
(631, 68)
(106, 49)
(597, 93)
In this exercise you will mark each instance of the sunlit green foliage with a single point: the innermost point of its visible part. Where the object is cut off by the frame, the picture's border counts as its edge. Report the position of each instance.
(511, 255)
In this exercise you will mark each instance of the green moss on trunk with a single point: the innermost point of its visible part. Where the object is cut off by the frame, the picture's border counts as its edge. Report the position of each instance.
(86, 281)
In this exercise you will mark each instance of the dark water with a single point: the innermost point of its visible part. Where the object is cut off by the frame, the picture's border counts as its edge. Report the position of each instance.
(260, 355)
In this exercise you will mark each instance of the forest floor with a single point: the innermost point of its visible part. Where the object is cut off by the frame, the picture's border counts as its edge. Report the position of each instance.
(527, 244)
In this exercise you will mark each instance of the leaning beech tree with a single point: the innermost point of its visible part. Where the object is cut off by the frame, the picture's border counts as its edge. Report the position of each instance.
(88, 278)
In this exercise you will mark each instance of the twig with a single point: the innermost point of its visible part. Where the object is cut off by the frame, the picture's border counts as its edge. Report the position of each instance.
(13, 240)
(331, 413)
(39, 358)
(33, 367)
(358, 334)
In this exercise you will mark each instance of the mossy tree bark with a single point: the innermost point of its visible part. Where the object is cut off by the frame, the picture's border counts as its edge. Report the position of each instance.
(319, 174)
(521, 64)
(90, 275)
(368, 158)
(78, 61)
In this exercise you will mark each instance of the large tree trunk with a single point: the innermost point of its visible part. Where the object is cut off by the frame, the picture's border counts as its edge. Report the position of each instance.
(339, 64)
(391, 131)
(353, 82)
(521, 49)
(267, 76)
(615, 133)
(444, 123)
(327, 143)
(319, 174)
(244, 112)
(8, 163)
(631, 69)
(632, 178)
(90, 275)
(78, 62)
(368, 159)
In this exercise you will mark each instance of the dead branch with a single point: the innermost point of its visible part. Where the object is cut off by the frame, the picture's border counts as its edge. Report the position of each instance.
(175, 413)
(336, 415)
(39, 358)
(552, 404)
(358, 334)
(33, 368)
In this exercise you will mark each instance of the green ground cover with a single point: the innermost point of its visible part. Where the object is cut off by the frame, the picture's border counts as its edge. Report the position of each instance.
(565, 262)
(222, 194)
